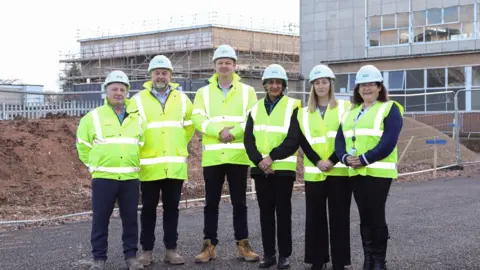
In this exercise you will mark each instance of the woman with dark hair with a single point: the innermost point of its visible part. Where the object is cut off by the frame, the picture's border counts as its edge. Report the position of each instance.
(367, 143)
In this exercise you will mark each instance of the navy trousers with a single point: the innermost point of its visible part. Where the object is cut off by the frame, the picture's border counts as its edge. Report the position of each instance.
(104, 194)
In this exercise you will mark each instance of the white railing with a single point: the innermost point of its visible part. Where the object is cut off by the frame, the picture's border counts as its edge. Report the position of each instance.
(42, 110)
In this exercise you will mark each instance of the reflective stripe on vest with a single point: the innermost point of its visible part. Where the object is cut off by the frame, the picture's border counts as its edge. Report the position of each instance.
(292, 159)
(218, 119)
(376, 131)
(286, 120)
(158, 160)
(330, 134)
(179, 124)
(100, 140)
(309, 169)
(114, 169)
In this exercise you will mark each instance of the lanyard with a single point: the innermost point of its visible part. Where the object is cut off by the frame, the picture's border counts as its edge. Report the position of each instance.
(355, 121)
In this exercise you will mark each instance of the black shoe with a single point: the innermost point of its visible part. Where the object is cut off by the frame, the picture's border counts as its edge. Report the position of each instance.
(380, 238)
(318, 266)
(283, 263)
(268, 262)
(338, 267)
(366, 234)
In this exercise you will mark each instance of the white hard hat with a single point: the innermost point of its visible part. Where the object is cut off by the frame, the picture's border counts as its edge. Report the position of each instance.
(116, 76)
(275, 71)
(367, 74)
(321, 71)
(224, 51)
(160, 61)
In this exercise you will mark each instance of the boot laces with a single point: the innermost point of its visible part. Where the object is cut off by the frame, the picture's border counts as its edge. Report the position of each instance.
(247, 246)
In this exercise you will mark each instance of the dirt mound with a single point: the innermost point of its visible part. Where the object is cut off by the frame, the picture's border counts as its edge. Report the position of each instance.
(41, 175)
(419, 155)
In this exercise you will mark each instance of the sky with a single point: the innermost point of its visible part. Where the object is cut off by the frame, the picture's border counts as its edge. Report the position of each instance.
(37, 34)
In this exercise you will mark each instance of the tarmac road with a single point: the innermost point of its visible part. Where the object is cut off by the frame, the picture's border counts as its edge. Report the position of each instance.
(433, 225)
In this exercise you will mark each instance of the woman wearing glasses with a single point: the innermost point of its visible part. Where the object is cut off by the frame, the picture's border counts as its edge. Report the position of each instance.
(367, 143)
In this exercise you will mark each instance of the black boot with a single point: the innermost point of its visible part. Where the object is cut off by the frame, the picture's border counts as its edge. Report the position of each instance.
(268, 262)
(380, 238)
(283, 263)
(366, 234)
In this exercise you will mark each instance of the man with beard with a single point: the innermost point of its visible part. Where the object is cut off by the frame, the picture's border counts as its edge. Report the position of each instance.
(220, 112)
(163, 160)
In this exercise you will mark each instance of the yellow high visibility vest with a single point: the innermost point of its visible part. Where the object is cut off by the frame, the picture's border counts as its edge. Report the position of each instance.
(213, 111)
(270, 130)
(109, 149)
(320, 134)
(168, 133)
(368, 131)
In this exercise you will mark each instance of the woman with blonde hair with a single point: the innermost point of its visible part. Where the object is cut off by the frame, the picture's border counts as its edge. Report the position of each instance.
(325, 178)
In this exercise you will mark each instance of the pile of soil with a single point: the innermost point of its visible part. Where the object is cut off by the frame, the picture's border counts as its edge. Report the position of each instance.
(41, 175)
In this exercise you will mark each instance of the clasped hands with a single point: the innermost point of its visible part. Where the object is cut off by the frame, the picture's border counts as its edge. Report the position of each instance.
(225, 135)
(265, 165)
(354, 162)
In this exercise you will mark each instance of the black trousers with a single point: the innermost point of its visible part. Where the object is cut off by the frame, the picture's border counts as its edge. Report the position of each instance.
(237, 184)
(274, 195)
(171, 190)
(371, 194)
(337, 191)
(104, 194)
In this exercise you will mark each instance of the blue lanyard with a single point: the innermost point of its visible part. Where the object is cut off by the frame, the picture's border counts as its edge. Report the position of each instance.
(360, 115)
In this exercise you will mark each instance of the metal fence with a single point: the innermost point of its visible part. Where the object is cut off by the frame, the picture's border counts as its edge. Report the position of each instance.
(446, 122)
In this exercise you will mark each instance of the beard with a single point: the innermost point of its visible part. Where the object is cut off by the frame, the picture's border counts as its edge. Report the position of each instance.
(159, 85)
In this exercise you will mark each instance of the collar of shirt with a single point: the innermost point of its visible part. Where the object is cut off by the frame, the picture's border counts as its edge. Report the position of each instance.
(228, 87)
(159, 95)
(269, 105)
(122, 114)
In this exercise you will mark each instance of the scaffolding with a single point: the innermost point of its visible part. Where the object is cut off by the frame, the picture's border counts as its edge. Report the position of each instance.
(190, 46)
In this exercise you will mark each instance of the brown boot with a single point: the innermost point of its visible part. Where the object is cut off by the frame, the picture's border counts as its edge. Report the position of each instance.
(208, 252)
(245, 251)
(146, 258)
(172, 257)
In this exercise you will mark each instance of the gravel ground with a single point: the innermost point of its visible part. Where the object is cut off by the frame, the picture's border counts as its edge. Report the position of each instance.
(434, 225)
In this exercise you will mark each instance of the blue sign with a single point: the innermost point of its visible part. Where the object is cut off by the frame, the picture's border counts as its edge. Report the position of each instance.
(436, 141)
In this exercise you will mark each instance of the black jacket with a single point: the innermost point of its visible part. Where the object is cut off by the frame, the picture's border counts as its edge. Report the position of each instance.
(290, 144)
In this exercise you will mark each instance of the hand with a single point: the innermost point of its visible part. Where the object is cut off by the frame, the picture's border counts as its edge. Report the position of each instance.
(354, 162)
(265, 165)
(225, 135)
(324, 165)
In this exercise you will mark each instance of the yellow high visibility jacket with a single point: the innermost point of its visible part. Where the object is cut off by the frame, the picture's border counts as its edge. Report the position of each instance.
(167, 136)
(111, 150)
(368, 131)
(270, 130)
(213, 111)
(320, 134)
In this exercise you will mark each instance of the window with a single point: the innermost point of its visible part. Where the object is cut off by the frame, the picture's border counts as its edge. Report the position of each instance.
(399, 99)
(456, 76)
(422, 90)
(341, 83)
(436, 77)
(391, 29)
(396, 80)
(436, 102)
(434, 16)
(415, 79)
(431, 25)
(415, 103)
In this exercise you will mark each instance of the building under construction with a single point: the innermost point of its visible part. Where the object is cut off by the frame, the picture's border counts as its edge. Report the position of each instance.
(190, 49)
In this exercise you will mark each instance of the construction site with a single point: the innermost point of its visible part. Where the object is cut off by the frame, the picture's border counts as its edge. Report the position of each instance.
(42, 177)
(190, 49)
